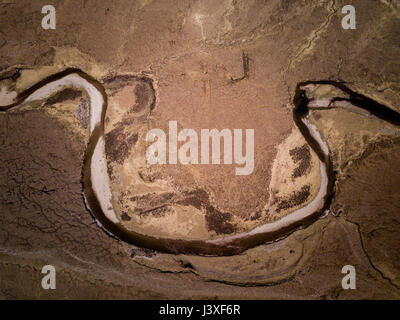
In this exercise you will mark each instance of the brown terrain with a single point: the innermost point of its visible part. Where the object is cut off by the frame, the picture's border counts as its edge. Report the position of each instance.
(205, 64)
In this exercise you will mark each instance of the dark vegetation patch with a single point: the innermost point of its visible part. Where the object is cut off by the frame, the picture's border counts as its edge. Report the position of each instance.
(160, 211)
(114, 83)
(144, 89)
(197, 198)
(157, 204)
(317, 116)
(64, 95)
(118, 141)
(186, 264)
(148, 176)
(142, 252)
(13, 74)
(124, 216)
(216, 220)
(118, 144)
(376, 146)
(82, 112)
(144, 97)
(302, 156)
(150, 200)
(151, 92)
(293, 200)
(256, 215)
(126, 122)
(46, 58)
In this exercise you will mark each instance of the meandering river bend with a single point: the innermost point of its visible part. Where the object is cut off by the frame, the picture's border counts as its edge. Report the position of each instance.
(96, 182)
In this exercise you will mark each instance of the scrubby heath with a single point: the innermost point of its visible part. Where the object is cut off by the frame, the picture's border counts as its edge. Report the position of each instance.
(96, 183)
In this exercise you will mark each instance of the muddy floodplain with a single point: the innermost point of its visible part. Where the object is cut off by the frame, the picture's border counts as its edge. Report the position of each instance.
(307, 113)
